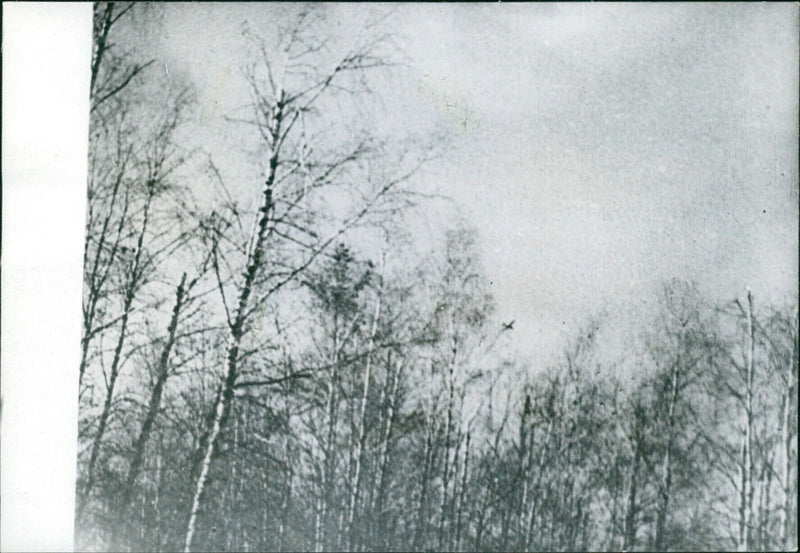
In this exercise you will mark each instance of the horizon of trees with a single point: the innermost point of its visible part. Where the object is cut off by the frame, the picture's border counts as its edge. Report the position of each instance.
(286, 374)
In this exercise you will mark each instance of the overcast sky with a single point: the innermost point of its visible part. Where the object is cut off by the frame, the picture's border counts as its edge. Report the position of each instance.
(599, 148)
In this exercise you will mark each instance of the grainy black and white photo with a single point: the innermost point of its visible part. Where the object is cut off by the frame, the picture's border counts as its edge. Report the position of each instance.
(440, 277)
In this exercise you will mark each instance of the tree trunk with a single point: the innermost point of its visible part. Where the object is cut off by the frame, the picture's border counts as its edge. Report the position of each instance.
(789, 499)
(632, 511)
(764, 510)
(356, 481)
(132, 286)
(666, 471)
(287, 498)
(383, 459)
(318, 521)
(463, 491)
(532, 513)
(254, 263)
(420, 532)
(100, 45)
(329, 465)
(152, 410)
(786, 473)
(746, 472)
(96, 280)
(480, 524)
(611, 534)
(447, 432)
(451, 507)
(524, 472)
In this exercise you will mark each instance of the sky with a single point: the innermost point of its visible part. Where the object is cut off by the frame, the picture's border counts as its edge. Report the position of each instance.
(599, 149)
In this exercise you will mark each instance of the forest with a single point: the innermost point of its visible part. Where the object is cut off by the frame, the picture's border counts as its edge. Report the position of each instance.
(274, 366)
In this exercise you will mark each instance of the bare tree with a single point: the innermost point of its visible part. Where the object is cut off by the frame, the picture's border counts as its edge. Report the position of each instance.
(111, 153)
(286, 102)
(142, 242)
(777, 335)
(184, 299)
(746, 464)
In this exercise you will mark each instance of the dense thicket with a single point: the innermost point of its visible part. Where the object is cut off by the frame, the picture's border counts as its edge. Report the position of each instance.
(253, 377)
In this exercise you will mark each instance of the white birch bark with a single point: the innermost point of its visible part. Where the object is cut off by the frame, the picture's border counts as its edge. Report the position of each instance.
(356, 481)
(254, 262)
(746, 467)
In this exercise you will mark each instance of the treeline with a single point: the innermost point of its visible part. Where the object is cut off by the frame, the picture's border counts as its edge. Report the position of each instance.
(274, 368)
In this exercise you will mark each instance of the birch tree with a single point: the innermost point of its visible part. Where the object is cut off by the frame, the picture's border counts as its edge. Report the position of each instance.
(746, 463)
(185, 306)
(779, 337)
(143, 242)
(114, 72)
(289, 90)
